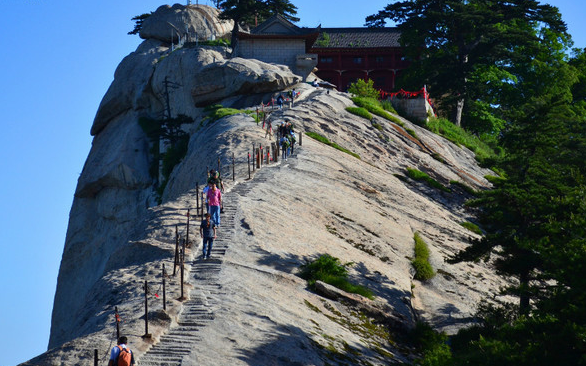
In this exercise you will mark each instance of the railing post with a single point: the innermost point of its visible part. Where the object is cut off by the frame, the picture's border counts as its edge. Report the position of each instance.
(248, 165)
(219, 168)
(300, 138)
(164, 290)
(187, 234)
(182, 296)
(260, 156)
(253, 157)
(146, 310)
(176, 250)
(196, 199)
(95, 357)
(233, 168)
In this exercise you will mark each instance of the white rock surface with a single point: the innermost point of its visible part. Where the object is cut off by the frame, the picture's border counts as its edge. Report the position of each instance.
(253, 307)
(167, 21)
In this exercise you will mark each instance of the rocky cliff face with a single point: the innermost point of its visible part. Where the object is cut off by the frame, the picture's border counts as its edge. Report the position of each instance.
(247, 306)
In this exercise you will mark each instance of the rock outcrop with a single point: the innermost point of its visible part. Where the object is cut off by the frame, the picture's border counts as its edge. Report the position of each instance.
(167, 23)
(247, 305)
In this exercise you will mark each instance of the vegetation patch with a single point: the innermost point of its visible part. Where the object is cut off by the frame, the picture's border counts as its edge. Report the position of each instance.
(412, 133)
(459, 136)
(432, 345)
(216, 42)
(422, 176)
(377, 126)
(312, 307)
(217, 111)
(175, 139)
(361, 112)
(361, 88)
(322, 139)
(423, 269)
(465, 187)
(388, 106)
(472, 227)
(374, 106)
(328, 269)
(438, 157)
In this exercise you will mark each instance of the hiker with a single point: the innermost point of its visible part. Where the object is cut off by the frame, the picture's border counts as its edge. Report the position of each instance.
(214, 177)
(280, 101)
(207, 230)
(292, 140)
(121, 355)
(215, 202)
(314, 83)
(204, 197)
(285, 147)
(269, 129)
(291, 94)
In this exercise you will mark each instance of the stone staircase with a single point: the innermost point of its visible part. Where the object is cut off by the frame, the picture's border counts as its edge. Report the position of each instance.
(199, 311)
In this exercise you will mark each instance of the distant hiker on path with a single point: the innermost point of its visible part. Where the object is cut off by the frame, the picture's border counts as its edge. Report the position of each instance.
(207, 230)
(285, 147)
(215, 201)
(121, 355)
(280, 101)
(204, 197)
(269, 129)
(214, 177)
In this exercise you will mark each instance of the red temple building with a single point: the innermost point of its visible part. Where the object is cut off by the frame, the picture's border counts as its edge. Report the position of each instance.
(348, 54)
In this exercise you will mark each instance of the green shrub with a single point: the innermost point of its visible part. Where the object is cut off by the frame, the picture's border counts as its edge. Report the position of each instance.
(374, 107)
(216, 42)
(421, 176)
(328, 269)
(217, 111)
(324, 140)
(465, 187)
(412, 133)
(472, 227)
(459, 136)
(388, 106)
(432, 345)
(360, 112)
(377, 126)
(361, 88)
(423, 269)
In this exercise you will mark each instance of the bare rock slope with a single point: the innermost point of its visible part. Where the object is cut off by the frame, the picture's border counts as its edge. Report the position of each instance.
(247, 305)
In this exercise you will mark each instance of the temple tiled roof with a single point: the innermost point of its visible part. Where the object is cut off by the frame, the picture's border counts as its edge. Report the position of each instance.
(358, 38)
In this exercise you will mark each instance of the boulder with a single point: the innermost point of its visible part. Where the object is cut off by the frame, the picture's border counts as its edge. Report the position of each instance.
(240, 76)
(167, 22)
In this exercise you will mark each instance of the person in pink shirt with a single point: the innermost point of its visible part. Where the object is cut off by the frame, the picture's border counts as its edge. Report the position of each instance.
(215, 202)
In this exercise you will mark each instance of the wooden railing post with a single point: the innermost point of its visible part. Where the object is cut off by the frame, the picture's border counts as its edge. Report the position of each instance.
(197, 200)
(176, 263)
(164, 290)
(182, 273)
(146, 310)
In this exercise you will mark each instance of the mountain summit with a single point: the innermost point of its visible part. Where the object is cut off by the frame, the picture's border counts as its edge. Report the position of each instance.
(247, 305)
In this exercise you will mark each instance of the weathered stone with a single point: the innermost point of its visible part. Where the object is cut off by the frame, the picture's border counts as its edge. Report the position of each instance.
(168, 22)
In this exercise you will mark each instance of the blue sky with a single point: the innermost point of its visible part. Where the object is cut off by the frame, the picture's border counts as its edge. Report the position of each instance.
(57, 60)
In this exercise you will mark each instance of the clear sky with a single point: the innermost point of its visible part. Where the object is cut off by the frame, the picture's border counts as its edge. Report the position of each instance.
(57, 59)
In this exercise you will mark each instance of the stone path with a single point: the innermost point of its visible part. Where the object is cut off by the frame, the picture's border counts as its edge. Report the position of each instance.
(199, 311)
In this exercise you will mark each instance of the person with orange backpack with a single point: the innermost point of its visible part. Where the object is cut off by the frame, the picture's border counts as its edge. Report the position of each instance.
(121, 355)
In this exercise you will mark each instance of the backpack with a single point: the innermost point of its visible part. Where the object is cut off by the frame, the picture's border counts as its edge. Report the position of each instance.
(124, 357)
